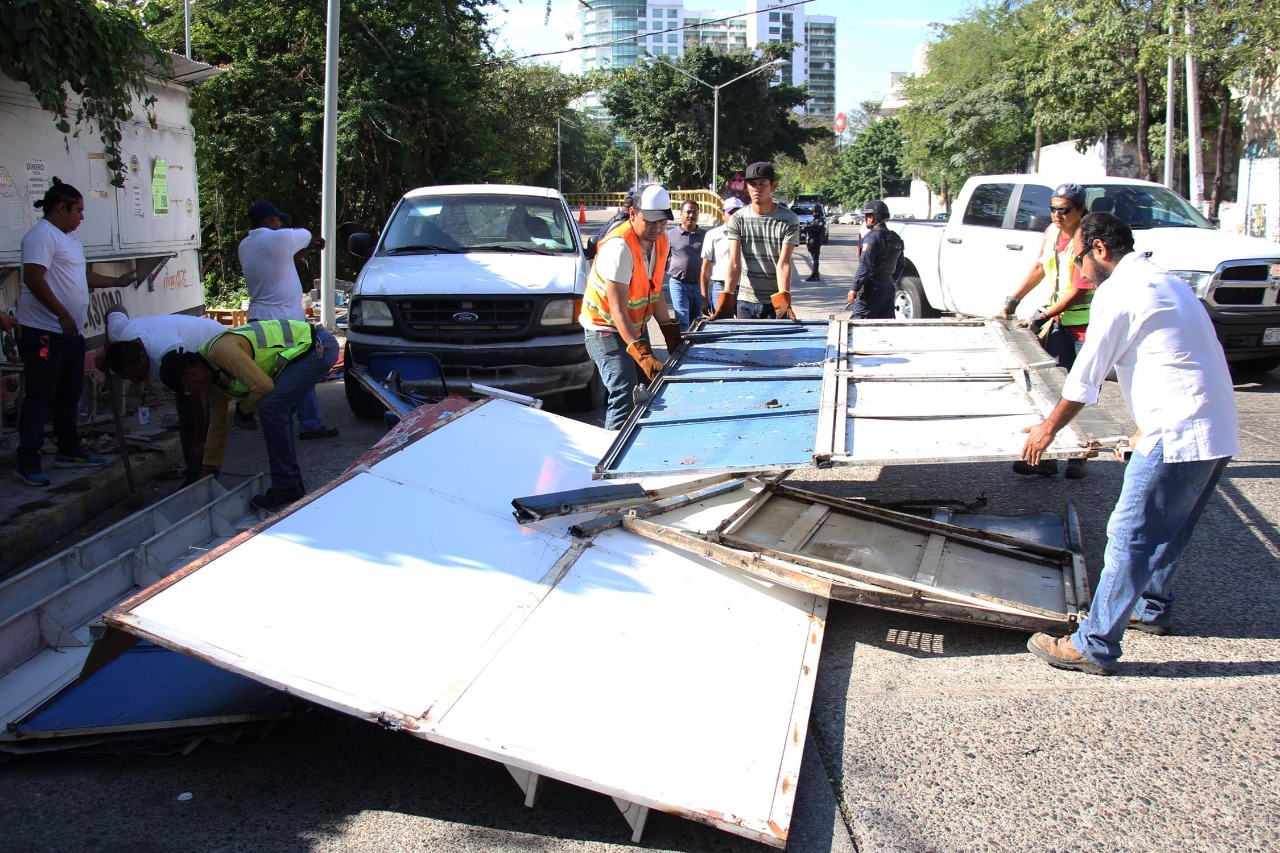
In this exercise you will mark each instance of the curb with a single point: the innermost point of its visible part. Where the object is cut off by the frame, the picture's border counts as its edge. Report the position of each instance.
(55, 511)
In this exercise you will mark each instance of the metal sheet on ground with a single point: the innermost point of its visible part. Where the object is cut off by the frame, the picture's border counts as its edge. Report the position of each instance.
(1014, 572)
(407, 594)
(743, 397)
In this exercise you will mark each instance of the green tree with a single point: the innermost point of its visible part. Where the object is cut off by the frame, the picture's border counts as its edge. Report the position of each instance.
(96, 51)
(422, 100)
(812, 173)
(970, 113)
(671, 116)
(871, 166)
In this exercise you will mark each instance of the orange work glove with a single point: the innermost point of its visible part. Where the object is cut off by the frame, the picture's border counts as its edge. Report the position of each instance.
(649, 366)
(726, 306)
(671, 334)
(782, 305)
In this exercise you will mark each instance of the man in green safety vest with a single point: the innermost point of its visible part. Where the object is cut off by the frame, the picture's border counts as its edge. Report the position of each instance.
(266, 367)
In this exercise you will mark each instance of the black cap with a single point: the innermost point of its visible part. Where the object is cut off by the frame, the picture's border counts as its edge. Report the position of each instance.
(260, 210)
(761, 170)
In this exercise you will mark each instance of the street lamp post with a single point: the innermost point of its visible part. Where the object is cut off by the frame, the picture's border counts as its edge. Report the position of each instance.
(715, 109)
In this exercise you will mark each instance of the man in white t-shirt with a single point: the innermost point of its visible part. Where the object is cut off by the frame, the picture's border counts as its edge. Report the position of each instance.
(268, 256)
(715, 258)
(134, 351)
(53, 304)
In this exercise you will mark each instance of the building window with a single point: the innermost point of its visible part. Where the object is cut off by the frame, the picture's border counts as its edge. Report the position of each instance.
(773, 31)
(671, 13)
(774, 17)
(671, 38)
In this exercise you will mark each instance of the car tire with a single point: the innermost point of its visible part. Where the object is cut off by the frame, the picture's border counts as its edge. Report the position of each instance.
(1250, 366)
(361, 402)
(909, 302)
(586, 399)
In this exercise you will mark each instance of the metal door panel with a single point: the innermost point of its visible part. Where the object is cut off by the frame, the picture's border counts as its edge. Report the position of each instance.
(887, 392)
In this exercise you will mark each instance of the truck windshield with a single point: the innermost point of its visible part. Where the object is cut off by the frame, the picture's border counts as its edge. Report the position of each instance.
(480, 223)
(1145, 207)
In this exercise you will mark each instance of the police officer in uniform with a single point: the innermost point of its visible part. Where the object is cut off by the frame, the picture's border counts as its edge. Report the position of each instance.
(879, 266)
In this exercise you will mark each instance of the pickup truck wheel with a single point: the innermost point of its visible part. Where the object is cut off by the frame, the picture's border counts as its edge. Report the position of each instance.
(909, 302)
(586, 399)
(1254, 365)
(361, 402)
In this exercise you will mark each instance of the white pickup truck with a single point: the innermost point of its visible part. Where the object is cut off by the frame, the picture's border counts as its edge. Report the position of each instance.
(970, 263)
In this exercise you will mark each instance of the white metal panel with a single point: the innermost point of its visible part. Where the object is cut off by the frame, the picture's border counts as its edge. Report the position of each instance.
(357, 590)
(680, 678)
(410, 590)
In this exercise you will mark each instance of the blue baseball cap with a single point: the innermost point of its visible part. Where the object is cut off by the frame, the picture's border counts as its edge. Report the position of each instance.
(260, 210)
(1071, 192)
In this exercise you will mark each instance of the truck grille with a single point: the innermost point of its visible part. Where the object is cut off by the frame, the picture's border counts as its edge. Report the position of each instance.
(1246, 283)
(447, 318)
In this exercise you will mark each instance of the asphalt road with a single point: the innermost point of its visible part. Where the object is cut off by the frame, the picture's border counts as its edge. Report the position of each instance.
(924, 735)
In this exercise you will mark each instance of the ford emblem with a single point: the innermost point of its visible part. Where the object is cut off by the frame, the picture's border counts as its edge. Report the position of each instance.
(466, 317)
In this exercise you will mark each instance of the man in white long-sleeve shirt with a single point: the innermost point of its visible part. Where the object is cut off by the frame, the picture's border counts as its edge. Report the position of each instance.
(1148, 325)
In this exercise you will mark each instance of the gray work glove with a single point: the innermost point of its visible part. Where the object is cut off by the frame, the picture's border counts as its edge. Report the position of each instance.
(1010, 306)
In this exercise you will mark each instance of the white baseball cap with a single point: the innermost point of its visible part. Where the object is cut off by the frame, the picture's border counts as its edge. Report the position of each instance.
(655, 204)
(731, 204)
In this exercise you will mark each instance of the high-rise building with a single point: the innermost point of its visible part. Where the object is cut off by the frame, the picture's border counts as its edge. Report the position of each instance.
(820, 45)
(617, 33)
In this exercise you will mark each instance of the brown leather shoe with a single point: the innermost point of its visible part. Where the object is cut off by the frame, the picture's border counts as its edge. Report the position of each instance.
(1059, 652)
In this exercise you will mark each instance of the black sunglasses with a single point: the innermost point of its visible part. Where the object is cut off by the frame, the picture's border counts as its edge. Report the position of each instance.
(1062, 210)
(1080, 257)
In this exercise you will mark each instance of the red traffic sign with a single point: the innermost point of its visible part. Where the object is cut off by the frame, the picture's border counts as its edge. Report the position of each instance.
(840, 122)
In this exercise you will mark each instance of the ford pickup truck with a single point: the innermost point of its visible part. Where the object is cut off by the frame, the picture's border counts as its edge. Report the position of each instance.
(970, 263)
(486, 278)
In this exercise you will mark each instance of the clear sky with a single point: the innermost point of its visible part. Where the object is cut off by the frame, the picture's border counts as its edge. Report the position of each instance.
(871, 39)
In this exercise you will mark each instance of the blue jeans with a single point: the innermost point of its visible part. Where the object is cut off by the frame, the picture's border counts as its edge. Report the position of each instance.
(619, 373)
(686, 301)
(755, 311)
(713, 292)
(1160, 503)
(53, 376)
(275, 411)
(309, 416)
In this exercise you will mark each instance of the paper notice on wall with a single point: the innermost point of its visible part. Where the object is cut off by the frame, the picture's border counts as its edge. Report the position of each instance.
(99, 175)
(14, 219)
(137, 201)
(177, 185)
(160, 188)
(37, 180)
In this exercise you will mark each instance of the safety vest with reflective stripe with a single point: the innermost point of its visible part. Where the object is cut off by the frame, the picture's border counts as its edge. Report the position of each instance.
(643, 292)
(275, 344)
(1077, 314)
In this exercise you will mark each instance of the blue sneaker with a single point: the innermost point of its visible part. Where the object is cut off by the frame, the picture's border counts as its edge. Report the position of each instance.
(39, 478)
(80, 459)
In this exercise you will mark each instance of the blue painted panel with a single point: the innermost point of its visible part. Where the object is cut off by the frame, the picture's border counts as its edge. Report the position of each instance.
(148, 685)
(741, 396)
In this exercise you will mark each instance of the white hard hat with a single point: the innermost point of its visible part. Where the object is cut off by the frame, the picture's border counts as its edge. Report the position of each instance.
(655, 203)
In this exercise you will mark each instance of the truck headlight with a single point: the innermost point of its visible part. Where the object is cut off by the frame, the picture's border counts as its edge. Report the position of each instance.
(370, 312)
(1199, 281)
(559, 312)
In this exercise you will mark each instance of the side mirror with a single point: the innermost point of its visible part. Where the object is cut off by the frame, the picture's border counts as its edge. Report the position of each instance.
(360, 244)
(589, 250)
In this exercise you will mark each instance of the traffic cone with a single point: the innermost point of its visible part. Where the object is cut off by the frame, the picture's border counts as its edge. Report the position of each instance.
(582, 214)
